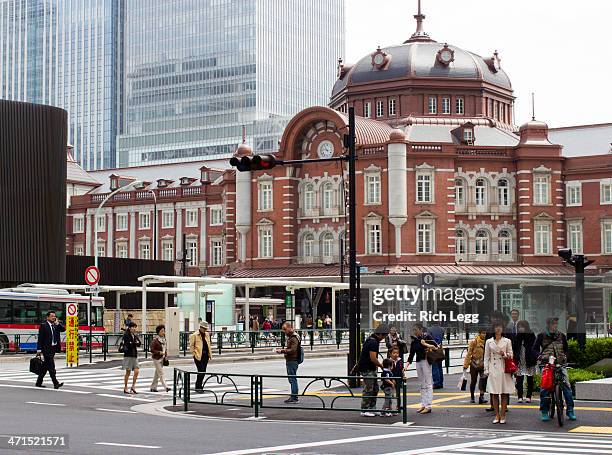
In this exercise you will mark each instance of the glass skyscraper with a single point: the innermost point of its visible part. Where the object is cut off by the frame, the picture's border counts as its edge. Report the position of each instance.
(67, 53)
(201, 73)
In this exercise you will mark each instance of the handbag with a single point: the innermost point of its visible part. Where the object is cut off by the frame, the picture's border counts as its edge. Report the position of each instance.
(435, 355)
(36, 365)
(547, 381)
(165, 362)
(510, 366)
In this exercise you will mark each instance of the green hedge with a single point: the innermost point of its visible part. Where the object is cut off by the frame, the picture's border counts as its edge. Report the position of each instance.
(575, 375)
(595, 350)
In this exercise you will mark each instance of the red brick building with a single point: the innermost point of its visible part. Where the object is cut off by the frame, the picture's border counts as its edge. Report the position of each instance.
(445, 178)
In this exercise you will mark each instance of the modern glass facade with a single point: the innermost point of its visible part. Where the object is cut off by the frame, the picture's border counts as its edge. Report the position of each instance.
(67, 53)
(200, 73)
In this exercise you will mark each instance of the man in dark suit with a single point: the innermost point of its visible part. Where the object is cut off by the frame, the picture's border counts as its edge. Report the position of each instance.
(49, 342)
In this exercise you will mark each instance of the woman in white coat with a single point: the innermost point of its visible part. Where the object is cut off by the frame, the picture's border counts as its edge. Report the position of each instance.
(499, 383)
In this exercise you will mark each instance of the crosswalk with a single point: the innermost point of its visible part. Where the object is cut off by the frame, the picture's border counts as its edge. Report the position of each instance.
(531, 444)
(112, 379)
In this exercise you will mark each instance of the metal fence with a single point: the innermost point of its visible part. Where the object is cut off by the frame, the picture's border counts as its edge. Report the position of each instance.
(321, 393)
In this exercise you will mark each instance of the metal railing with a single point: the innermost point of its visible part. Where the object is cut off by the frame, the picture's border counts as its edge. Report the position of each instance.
(321, 393)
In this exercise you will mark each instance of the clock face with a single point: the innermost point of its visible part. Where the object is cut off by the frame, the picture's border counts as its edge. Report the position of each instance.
(325, 149)
(446, 56)
(379, 59)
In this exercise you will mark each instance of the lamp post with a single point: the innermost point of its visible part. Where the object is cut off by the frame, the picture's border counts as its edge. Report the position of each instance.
(128, 186)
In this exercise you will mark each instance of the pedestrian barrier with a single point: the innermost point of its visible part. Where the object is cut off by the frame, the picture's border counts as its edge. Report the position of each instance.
(321, 393)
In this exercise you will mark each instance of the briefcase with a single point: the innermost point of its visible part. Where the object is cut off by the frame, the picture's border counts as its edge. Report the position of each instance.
(36, 365)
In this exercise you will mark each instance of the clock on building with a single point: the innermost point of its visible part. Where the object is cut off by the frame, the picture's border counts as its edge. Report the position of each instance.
(325, 149)
(446, 55)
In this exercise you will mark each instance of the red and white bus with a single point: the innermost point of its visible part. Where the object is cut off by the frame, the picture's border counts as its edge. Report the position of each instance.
(23, 308)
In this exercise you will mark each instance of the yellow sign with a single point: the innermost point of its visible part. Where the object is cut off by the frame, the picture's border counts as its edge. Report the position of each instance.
(72, 334)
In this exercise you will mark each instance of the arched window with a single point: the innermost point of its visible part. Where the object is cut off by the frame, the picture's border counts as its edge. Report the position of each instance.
(460, 242)
(503, 192)
(482, 242)
(504, 242)
(307, 245)
(459, 192)
(481, 192)
(327, 245)
(328, 196)
(309, 197)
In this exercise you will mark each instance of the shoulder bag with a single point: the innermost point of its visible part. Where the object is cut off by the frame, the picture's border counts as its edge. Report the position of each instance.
(435, 355)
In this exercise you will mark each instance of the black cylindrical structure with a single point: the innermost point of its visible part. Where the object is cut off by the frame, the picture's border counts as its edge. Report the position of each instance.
(32, 193)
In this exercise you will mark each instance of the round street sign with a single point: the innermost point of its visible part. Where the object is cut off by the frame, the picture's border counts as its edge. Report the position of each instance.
(72, 309)
(92, 275)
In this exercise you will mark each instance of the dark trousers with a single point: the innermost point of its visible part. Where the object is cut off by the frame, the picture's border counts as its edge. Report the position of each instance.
(201, 366)
(519, 386)
(437, 374)
(292, 367)
(48, 365)
(482, 383)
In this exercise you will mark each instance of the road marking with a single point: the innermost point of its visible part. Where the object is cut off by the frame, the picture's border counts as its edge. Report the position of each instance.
(586, 429)
(109, 395)
(40, 388)
(116, 444)
(461, 445)
(45, 404)
(513, 448)
(564, 442)
(328, 443)
(116, 410)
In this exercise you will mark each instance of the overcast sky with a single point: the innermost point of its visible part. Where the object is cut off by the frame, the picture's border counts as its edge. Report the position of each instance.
(559, 49)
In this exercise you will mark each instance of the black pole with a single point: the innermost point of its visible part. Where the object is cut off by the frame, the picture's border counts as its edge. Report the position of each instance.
(341, 260)
(155, 229)
(90, 323)
(580, 263)
(184, 258)
(353, 301)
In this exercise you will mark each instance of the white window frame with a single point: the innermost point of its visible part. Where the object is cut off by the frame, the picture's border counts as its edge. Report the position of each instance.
(144, 220)
(575, 236)
(605, 192)
(459, 106)
(392, 107)
(503, 241)
(606, 236)
(541, 189)
(573, 194)
(168, 219)
(446, 105)
(432, 105)
(327, 246)
(216, 252)
(373, 233)
(101, 223)
(191, 218)
(79, 250)
(480, 193)
(78, 224)
(121, 222)
(482, 244)
(265, 196)
(309, 197)
(101, 250)
(424, 187)
(167, 246)
(265, 242)
(192, 251)
(380, 108)
(425, 236)
(542, 234)
(308, 239)
(327, 196)
(468, 135)
(503, 193)
(121, 250)
(216, 215)
(373, 188)
(460, 188)
(460, 242)
(144, 249)
(367, 107)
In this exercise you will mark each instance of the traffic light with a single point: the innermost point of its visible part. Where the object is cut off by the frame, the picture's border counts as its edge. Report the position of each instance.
(254, 163)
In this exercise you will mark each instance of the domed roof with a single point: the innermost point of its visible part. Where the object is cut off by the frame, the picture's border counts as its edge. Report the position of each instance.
(418, 57)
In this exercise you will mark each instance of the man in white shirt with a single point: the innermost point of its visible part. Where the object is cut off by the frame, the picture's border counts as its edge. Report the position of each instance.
(49, 343)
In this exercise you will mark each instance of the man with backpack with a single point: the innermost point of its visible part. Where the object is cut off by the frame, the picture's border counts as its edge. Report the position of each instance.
(294, 356)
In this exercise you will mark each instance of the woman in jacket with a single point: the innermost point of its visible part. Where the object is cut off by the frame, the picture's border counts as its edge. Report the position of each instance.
(525, 358)
(474, 360)
(499, 383)
(130, 357)
(200, 348)
(394, 340)
(159, 353)
(421, 343)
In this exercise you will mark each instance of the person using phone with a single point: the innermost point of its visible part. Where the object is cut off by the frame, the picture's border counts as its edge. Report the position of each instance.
(49, 343)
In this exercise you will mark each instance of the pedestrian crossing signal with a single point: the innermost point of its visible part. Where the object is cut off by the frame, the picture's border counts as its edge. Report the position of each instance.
(254, 163)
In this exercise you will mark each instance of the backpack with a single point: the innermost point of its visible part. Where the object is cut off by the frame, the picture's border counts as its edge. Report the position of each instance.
(300, 351)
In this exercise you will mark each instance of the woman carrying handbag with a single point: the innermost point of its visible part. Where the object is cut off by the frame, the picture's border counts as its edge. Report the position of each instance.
(159, 353)
(498, 368)
(422, 344)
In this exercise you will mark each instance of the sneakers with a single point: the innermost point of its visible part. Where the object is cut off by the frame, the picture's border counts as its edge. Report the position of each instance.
(482, 400)
(368, 414)
(425, 411)
(520, 400)
(472, 400)
(571, 415)
(544, 417)
(386, 414)
(291, 401)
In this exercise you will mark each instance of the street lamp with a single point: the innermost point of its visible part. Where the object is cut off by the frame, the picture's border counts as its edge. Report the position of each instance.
(579, 262)
(128, 186)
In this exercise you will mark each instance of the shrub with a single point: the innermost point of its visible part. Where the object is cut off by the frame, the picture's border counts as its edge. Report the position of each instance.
(595, 350)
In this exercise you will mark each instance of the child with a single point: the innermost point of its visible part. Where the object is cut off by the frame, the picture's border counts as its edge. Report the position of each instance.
(388, 386)
(398, 363)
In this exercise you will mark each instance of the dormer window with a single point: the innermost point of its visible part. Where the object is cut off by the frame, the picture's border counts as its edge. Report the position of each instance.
(468, 136)
(185, 181)
(114, 182)
(163, 183)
